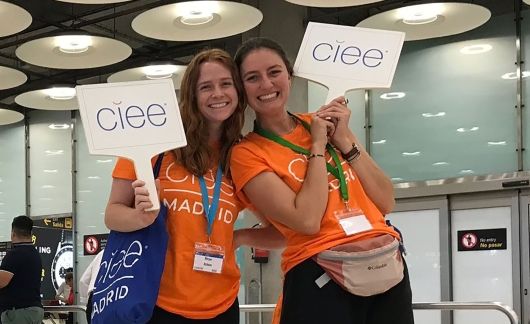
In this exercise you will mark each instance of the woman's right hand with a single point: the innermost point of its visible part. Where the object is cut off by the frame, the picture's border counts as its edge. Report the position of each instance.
(142, 202)
(320, 130)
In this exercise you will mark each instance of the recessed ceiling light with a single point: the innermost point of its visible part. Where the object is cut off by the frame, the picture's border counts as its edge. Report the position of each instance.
(104, 161)
(194, 18)
(198, 12)
(429, 115)
(84, 191)
(440, 163)
(467, 171)
(513, 75)
(47, 187)
(466, 130)
(60, 93)
(383, 141)
(397, 179)
(476, 49)
(497, 143)
(160, 71)
(420, 14)
(411, 153)
(94, 177)
(392, 95)
(51, 171)
(59, 126)
(73, 44)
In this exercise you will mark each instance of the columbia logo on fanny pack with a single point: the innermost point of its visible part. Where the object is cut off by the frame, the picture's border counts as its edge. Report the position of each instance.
(376, 267)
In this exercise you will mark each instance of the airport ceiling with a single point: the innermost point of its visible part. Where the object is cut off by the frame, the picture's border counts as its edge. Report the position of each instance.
(114, 20)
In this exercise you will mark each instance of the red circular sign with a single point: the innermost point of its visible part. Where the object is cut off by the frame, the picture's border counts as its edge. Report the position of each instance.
(469, 240)
(91, 245)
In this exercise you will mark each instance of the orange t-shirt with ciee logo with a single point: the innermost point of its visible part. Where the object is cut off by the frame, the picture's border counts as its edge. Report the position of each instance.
(184, 291)
(256, 154)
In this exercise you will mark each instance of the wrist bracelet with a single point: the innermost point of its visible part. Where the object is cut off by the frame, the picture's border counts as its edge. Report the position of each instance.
(351, 154)
(312, 155)
(354, 157)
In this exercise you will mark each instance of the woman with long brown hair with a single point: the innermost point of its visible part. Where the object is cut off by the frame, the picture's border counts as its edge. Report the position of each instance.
(326, 195)
(200, 281)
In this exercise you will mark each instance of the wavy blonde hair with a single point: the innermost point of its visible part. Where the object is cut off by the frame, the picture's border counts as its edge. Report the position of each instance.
(197, 157)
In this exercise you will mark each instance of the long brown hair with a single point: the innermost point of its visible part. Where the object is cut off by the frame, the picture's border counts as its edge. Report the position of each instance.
(197, 157)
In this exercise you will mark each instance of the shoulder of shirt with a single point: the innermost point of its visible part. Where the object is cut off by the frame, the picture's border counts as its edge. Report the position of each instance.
(304, 116)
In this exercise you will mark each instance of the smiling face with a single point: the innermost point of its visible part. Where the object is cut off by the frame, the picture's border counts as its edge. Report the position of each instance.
(266, 81)
(216, 93)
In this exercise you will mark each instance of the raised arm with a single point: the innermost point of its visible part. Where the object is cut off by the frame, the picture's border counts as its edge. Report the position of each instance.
(128, 201)
(300, 211)
(375, 182)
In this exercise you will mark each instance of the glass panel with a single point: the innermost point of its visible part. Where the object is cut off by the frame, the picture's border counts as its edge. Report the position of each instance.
(525, 27)
(423, 258)
(50, 162)
(93, 188)
(485, 275)
(457, 114)
(316, 97)
(12, 177)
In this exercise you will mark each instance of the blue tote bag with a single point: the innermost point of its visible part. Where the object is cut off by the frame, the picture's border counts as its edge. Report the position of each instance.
(127, 284)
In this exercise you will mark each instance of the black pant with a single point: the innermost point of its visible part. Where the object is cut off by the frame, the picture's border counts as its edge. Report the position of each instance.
(230, 316)
(89, 307)
(305, 303)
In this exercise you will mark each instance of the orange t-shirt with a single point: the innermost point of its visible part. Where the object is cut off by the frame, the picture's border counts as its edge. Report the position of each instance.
(257, 154)
(184, 291)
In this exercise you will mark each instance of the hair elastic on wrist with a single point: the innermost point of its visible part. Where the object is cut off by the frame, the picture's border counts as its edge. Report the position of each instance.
(314, 155)
(351, 153)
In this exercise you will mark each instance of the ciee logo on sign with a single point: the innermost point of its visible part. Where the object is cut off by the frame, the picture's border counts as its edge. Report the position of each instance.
(116, 287)
(122, 117)
(348, 54)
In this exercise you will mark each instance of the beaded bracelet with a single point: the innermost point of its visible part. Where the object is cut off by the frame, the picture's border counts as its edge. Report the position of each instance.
(314, 155)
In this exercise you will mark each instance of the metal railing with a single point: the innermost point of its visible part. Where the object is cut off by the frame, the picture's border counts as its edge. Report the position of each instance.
(505, 309)
(69, 308)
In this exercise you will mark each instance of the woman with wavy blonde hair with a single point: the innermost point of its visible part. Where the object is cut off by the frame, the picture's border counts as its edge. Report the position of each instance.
(200, 281)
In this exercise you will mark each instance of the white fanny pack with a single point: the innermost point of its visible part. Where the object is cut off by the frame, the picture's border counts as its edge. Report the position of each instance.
(364, 268)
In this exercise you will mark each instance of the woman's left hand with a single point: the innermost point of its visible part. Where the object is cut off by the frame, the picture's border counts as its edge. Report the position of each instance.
(337, 112)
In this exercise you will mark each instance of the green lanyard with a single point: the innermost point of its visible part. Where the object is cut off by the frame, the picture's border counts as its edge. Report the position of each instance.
(335, 170)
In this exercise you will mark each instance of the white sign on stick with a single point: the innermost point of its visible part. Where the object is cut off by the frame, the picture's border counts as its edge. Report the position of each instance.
(135, 120)
(345, 58)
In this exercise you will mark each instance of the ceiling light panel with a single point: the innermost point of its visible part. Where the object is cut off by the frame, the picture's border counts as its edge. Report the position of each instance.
(430, 20)
(14, 19)
(73, 51)
(196, 20)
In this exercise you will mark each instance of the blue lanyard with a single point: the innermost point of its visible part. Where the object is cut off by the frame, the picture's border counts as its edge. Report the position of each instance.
(211, 210)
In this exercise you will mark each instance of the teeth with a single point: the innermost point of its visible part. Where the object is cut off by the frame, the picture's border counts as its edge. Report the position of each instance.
(218, 105)
(268, 96)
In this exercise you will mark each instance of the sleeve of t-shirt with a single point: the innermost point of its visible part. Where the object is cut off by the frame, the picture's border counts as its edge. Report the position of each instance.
(9, 263)
(124, 169)
(245, 165)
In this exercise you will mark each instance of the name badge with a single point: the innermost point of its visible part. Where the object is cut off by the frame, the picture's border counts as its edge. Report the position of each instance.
(208, 258)
(353, 221)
